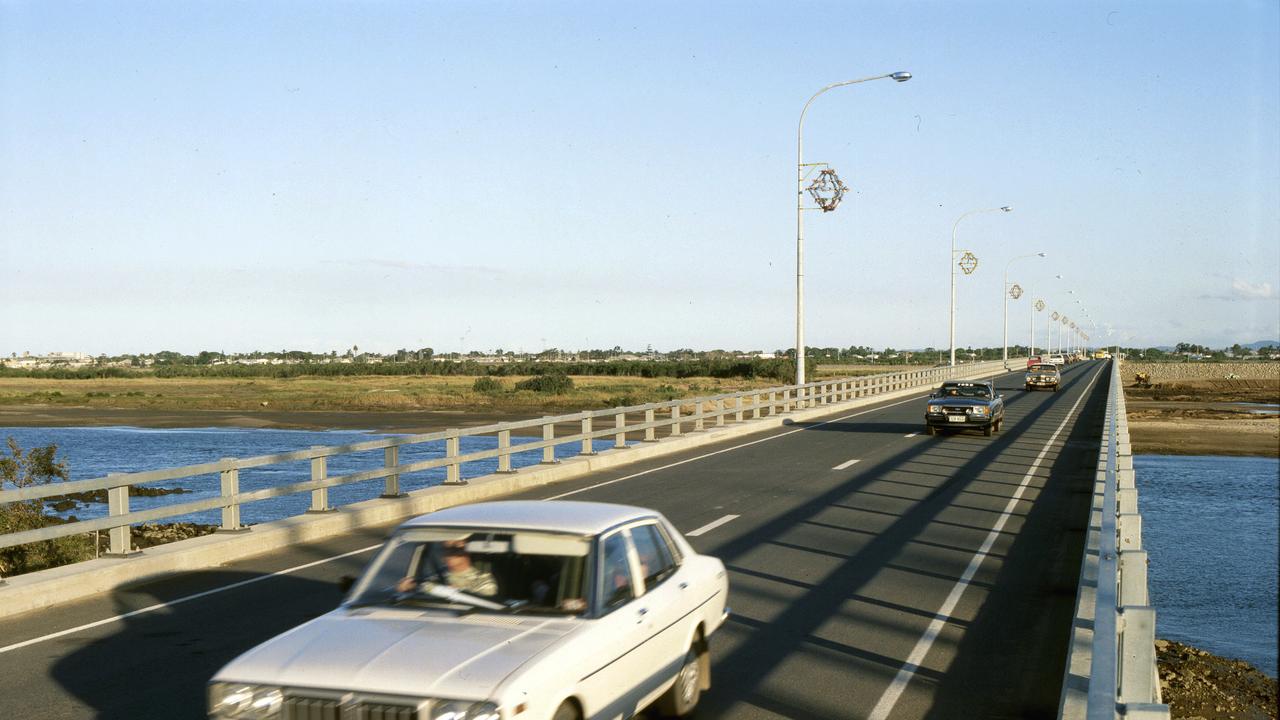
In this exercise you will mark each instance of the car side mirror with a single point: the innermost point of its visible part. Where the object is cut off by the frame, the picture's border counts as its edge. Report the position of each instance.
(346, 582)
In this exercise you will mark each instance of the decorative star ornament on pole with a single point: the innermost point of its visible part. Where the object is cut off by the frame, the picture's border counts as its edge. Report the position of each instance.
(827, 190)
(968, 263)
(1054, 315)
(1015, 292)
(1039, 306)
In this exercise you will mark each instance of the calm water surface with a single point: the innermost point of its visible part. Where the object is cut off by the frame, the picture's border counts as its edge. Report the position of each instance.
(1210, 529)
(98, 451)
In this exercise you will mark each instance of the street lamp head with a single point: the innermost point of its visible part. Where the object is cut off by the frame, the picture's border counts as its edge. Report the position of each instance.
(1040, 254)
(1007, 208)
(901, 76)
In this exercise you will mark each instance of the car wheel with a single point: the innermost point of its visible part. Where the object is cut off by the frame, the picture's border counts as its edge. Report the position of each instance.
(684, 693)
(930, 430)
(986, 430)
(567, 711)
(1028, 388)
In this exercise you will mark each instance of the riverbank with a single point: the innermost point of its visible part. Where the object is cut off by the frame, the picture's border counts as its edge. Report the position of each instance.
(1177, 413)
(1196, 684)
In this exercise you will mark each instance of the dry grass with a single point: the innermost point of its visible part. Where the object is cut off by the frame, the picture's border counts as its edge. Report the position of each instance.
(371, 393)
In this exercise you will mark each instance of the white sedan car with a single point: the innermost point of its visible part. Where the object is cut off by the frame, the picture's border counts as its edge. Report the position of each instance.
(519, 610)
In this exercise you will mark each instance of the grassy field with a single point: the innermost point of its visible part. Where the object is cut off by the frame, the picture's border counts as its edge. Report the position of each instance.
(825, 372)
(369, 393)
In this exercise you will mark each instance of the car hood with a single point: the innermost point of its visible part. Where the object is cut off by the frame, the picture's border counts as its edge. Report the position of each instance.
(425, 654)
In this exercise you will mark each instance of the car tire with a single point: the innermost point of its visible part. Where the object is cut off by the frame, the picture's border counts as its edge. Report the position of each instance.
(988, 429)
(1028, 388)
(567, 711)
(683, 695)
(930, 430)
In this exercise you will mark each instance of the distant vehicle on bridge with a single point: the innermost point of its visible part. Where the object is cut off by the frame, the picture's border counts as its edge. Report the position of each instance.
(965, 404)
(493, 611)
(1055, 360)
(1043, 375)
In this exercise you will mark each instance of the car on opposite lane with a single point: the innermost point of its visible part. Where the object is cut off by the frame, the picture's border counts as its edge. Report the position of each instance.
(1043, 375)
(965, 404)
(521, 609)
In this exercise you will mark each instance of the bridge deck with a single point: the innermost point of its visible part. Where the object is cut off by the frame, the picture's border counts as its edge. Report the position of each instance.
(856, 592)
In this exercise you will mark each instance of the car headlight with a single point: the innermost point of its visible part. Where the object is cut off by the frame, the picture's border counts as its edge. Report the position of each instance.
(245, 702)
(979, 411)
(935, 409)
(461, 710)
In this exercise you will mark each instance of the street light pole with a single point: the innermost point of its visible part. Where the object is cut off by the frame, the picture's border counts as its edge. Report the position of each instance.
(1006, 302)
(1005, 208)
(899, 77)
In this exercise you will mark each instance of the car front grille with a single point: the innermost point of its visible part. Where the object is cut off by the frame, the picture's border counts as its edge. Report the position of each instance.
(955, 410)
(312, 708)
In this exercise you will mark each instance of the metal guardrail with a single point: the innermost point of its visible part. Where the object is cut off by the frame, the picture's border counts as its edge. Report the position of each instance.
(715, 408)
(1111, 665)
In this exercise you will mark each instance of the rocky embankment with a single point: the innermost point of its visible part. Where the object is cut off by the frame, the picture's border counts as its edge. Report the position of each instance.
(1197, 685)
(70, 501)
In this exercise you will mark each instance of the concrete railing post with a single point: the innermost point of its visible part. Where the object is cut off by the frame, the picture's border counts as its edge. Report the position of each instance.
(229, 480)
(319, 471)
(675, 420)
(504, 445)
(1137, 656)
(773, 402)
(453, 471)
(120, 538)
(549, 452)
(1133, 577)
(755, 406)
(650, 432)
(720, 412)
(391, 459)
(587, 447)
(737, 406)
(620, 437)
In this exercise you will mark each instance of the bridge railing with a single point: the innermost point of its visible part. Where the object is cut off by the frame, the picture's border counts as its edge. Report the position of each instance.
(1111, 665)
(645, 421)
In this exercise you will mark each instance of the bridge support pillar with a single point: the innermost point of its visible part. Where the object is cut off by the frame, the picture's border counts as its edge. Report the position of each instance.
(1139, 683)
(1126, 500)
(1130, 527)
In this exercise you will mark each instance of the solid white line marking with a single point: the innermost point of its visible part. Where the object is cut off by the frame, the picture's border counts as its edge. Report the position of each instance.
(911, 434)
(712, 525)
(250, 581)
(847, 463)
(179, 601)
(894, 691)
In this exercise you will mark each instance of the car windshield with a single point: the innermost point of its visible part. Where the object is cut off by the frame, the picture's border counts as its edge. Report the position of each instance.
(1044, 368)
(969, 391)
(478, 569)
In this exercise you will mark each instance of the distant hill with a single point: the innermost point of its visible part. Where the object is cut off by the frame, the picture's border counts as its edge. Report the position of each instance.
(1261, 344)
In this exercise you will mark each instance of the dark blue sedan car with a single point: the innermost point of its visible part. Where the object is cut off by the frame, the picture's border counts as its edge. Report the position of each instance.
(963, 405)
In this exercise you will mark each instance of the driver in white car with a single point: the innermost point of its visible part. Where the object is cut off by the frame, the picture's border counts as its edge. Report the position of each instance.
(460, 573)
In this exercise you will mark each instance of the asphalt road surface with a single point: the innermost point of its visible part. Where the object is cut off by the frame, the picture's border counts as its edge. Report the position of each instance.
(875, 572)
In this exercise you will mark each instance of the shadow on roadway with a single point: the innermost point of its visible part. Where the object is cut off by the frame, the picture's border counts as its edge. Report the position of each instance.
(1035, 669)
(157, 664)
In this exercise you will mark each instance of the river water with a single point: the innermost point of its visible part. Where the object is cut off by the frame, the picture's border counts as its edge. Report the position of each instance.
(98, 451)
(1209, 525)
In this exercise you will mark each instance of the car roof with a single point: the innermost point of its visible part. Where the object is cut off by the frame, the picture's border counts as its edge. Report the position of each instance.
(966, 383)
(570, 516)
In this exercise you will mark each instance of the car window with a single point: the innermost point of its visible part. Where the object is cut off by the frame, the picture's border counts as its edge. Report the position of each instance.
(617, 588)
(1043, 368)
(656, 563)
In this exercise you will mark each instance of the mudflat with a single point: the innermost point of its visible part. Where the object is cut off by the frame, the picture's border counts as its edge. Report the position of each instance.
(1205, 417)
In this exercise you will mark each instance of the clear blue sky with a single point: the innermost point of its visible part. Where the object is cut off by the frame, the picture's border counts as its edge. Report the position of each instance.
(237, 176)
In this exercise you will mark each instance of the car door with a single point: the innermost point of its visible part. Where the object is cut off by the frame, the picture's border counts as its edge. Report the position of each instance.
(666, 604)
(620, 679)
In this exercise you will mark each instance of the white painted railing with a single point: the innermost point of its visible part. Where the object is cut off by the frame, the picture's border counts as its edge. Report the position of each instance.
(645, 421)
(1111, 664)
